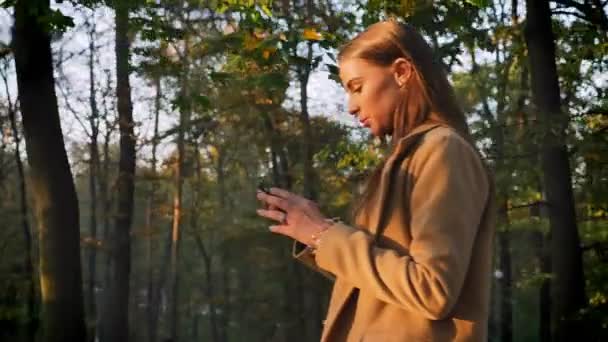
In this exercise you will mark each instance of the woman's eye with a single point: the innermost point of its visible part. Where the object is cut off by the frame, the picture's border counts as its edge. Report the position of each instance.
(357, 90)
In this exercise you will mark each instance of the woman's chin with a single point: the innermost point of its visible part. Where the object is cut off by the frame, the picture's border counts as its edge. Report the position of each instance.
(376, 132)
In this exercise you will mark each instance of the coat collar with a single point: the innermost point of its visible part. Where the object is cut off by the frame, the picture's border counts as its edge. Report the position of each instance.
(403, 149)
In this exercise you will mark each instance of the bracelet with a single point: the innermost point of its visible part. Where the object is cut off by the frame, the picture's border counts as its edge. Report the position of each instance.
(316, 238)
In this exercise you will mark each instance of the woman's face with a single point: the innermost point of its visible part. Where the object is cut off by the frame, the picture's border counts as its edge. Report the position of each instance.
(373, 93)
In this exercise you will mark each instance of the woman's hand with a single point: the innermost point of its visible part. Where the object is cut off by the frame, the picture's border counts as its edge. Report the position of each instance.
(299, 218)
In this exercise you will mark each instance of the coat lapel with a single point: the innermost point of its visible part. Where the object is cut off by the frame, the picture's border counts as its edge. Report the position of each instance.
(376, 219)
(404, 148)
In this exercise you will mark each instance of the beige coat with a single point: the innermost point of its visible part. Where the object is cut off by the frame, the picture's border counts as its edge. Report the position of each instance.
(417, 265)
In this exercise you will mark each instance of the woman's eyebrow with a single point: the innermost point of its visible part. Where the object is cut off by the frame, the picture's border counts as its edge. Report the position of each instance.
(352, 80)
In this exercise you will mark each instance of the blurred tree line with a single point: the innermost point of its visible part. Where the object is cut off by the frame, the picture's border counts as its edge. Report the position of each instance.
(127, 197)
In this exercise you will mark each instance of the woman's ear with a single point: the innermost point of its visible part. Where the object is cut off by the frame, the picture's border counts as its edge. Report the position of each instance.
(402, 70)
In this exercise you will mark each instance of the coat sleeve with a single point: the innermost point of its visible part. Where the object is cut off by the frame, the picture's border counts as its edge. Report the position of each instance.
(447, 200)
(303, 254)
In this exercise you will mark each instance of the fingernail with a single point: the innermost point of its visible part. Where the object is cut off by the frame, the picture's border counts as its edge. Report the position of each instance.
(272, 228)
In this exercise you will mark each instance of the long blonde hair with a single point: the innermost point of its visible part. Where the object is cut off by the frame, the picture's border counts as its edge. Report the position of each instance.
(428, 95)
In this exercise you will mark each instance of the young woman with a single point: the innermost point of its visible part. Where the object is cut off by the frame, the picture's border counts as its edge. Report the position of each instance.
(415, 265)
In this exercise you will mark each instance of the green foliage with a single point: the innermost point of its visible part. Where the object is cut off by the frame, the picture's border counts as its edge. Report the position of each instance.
(479, 3)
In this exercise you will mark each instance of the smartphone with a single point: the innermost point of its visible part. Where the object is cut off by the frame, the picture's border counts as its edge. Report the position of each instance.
(262, 186)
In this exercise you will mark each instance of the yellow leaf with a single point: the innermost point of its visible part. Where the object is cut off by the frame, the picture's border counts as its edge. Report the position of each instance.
(267, 52)
(213, 151)
(250, 42)
(312, 34)
(259, 34)
(263, 100)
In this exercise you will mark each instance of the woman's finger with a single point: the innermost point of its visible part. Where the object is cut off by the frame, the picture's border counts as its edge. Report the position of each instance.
(281, 229)
(281, 193)
(288, 196)
(274, 201)
(272, 214)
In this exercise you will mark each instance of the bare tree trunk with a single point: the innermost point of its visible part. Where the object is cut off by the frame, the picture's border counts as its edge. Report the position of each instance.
(115, 327)
(504, 235)
(310, 192)
(544, 298)
(28, 265)
(177, 216)
(568, 283)
(209, 289)
(207, 256)
(106, 200)
(157, 290)
(149, 211)
(225, 319)
(506, 315)
(52, 183)
(309, 176)
(104, 194)
(93, 172)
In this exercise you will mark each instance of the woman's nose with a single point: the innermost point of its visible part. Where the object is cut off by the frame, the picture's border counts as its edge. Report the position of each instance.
(353, 108)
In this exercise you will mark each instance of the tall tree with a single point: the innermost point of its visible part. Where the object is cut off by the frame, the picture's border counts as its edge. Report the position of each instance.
(115, 324)
(94, 165)
(151, 311)
(28, 266)
(52, 184)
(177, 207)
(568, 284)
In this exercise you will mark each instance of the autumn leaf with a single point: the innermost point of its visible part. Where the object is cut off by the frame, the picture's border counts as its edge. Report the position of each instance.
(250, 42)
(267, 52)
(312, 34)
(259, 34)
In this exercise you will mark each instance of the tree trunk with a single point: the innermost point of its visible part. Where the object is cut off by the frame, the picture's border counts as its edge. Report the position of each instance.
(105, 198)
(116, 314)
(157, 290)
(227, 308)
(150, 212)
(309, 177)
(504, 235)
(28, 266)
(218, 325)
(310, 192)
(568, 286)
(506, 312)
(209, 290)
(544, 302)
(207, 256)
(177, 216)
(52, 183)
(93, 172)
